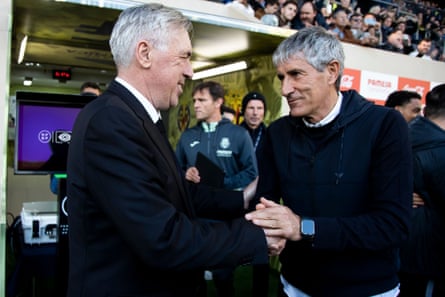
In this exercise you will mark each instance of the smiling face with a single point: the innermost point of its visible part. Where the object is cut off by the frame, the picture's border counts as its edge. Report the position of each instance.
(169, 69)
(310, 94)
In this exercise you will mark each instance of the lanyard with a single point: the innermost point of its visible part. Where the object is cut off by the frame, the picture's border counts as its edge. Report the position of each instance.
(257, 140)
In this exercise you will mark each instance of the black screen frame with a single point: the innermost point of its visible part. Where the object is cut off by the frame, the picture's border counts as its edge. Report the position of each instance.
(46, 100)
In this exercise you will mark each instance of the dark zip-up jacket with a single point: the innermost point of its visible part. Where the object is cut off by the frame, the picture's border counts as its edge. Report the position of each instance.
(354, 178)
(229, 146)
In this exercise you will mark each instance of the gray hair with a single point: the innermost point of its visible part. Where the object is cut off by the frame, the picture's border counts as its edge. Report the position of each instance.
(151, 22)
(314, 44)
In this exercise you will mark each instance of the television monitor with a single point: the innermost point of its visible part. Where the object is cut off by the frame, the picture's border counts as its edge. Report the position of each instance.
(44, 122)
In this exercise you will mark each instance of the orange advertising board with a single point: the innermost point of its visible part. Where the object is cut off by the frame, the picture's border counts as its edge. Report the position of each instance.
(419, 86)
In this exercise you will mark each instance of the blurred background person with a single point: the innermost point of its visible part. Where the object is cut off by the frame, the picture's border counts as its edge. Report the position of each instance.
(308, 16)
(227, 145)
(422, 49)
(422, 257)
(270, 16)
(253, 109)
(242, 6)
(228, 113)
(408, 103)
(287, 14)
(340, 26)
(90, 88)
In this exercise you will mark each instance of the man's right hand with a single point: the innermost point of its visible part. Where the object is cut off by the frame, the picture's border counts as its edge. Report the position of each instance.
(275, 245)
(192, 174)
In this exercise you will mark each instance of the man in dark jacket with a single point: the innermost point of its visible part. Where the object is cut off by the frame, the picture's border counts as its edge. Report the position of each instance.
(343, 169)
(253, 109)
(422, 257)
(135, 228)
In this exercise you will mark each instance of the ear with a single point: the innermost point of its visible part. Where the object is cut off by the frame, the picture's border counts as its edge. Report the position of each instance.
(333, 69)
(144, 54)
(219, 102)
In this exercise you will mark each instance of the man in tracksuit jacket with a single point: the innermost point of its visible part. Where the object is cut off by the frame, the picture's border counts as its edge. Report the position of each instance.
(227, 145)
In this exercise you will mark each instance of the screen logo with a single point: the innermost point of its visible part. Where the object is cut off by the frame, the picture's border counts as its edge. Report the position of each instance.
(58, 136)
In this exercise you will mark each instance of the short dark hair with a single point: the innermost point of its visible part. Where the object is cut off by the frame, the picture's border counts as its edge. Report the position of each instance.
(290, 2)
(225, 108)
(271, 2)
(89, 84)
(216, 90)
(339, 9)
(435, 102)
(399, 98)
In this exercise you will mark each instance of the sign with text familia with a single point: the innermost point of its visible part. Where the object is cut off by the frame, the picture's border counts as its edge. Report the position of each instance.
(377, 86)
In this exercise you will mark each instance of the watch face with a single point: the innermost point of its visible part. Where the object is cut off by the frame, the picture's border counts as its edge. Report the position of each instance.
(307, 228)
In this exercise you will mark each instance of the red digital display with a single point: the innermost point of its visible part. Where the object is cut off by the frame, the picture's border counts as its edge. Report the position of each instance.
(62, 74)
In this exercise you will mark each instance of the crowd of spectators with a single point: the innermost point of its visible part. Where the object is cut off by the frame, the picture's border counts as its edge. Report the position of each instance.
(415, 28)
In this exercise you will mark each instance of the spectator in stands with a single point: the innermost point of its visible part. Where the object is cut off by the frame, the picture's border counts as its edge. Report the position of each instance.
(373, 27)
(432, 31)
(270, 16)
(406, 38)
(422, 49)
(375, 10)
(386, 27)
(287, 14)
(355, 21)
(258, 6)
(394, 42)
(340, 26)
(308, 16)
(408, 103)
(372, 36)
(243, 6)
(346, 5)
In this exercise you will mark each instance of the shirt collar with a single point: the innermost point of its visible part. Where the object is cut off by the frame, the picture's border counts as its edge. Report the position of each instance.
(154, 114)
(330, 117)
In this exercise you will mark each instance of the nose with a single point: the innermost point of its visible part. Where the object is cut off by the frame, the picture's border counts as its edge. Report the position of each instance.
(286, 87)
(188, 71)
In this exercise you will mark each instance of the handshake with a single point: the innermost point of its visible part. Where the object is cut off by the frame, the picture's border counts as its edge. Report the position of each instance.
(279, 223)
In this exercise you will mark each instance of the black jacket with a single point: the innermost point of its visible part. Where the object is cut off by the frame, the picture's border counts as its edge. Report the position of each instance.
(354, 178)
(424, 251)
(135, 229)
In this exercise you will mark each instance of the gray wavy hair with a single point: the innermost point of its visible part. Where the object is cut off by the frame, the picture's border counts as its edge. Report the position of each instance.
(315, 45)
(151, 22)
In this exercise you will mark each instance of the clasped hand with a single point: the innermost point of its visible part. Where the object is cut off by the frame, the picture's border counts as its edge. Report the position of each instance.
(278, 222)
